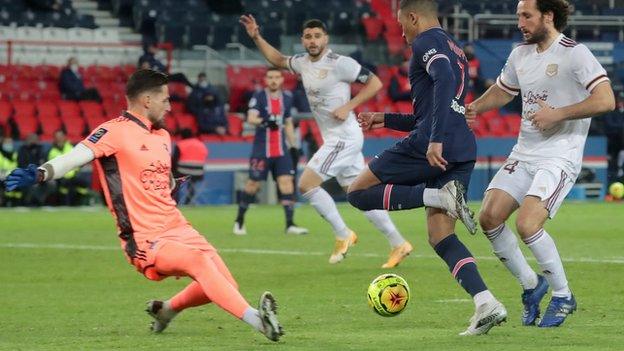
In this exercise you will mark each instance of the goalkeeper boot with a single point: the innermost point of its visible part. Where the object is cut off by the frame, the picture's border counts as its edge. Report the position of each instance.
(452, 198)
(161, 313)
(558, 309)
(531, 299)
(487, 316)
(341, 247)
(267, 307)
(398, 254)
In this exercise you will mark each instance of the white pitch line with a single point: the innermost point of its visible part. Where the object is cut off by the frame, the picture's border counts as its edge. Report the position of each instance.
(613, 260)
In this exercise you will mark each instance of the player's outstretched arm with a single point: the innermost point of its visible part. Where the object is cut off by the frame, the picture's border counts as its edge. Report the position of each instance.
(268, 51)
(53, 169)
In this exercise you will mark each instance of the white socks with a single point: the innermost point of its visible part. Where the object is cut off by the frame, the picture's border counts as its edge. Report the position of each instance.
(251, 316)
(326, 207)
(431, 198)
(483, 297)
(166, 311)
(545, 251)
(381, 220)
(506, 248)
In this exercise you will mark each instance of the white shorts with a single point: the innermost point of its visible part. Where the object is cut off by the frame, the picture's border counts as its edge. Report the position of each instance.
(341, 160)
(519, 179)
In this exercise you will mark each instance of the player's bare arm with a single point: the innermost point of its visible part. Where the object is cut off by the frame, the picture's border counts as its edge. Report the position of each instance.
(601, 100)
(253, 117)
(494, 97)
(268, 51)
(289, 130)
(371, 87)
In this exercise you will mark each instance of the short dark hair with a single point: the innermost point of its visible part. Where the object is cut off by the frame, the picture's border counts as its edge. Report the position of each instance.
(273, 69)
(560, 9)
(423, 5)
(145, 80)
(314, 23)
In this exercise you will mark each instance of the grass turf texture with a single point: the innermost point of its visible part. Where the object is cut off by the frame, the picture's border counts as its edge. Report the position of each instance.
(64, 285)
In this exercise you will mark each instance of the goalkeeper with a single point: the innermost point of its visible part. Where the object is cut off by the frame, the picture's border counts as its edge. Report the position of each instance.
(132, 154)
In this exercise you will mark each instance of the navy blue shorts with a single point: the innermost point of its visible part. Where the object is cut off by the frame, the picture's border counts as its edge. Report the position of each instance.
(395, 166)
(259, 167)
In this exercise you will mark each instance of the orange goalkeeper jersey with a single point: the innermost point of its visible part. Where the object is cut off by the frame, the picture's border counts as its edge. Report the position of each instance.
(134, 161)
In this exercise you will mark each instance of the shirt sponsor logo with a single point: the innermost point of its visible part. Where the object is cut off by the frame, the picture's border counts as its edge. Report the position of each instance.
(455, 106)
(97, 135)
(428, 54)
(322, 74)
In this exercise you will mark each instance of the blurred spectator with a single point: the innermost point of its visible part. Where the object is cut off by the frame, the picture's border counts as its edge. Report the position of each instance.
(148, 28)
(44, 5)
(32, 152)
(359, 57)
(71, 85)
(300, 99)
(614, 130)
(150, 60)
(400, 87)
(207, 106)
(477, 85)
(8, 162)
(248, 93)
(71, 187)
(189, 156)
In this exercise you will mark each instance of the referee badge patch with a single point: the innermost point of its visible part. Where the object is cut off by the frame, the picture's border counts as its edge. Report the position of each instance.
(552, 69)
(97, 135)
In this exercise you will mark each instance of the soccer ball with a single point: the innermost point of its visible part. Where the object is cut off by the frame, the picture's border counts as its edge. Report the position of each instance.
(388, 295)
(617, 190)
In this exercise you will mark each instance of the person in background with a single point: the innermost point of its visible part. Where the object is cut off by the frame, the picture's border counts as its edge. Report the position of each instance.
(8, 162)
(31, 151)
(71, 85)
(207, 106)
(400, 88)
(71, 186)
(189, 156)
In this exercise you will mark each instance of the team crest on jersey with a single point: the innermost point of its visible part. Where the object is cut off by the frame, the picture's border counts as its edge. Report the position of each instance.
(552, 69)
(322, 74)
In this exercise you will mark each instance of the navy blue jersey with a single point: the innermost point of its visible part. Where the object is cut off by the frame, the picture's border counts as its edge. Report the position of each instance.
(438, 74)
(268, 142)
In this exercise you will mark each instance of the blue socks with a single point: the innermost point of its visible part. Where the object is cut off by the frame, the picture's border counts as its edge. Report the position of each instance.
(461, 264)
(388, 197)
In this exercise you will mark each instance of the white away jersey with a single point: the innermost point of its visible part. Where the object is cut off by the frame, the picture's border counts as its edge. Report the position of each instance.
(327, 85)
(563, 75)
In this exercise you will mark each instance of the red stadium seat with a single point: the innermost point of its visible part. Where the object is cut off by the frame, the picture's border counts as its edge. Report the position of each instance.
(186, 120)
(178, 89)
(235, 125)
(26, 125)
(69, 108)
(75, 127)
(210, 138)
(94, 121)
(171, 124)
(513, 124)
(404, 107)
(91, 108)
(23, 108)
(5, 112)
(46, 110)
(177, 107)
(49, 126)
(497, 126)
(373, 27)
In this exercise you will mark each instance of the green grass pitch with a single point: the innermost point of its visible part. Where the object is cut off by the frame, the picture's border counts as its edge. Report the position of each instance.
(64, 285)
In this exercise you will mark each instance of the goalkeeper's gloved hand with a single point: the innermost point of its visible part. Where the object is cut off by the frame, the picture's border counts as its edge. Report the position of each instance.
(21, 178)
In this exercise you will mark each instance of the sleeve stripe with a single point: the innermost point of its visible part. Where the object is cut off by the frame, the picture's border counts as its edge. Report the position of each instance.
(601, 78)
(508, 89)
(289, 62)
(435, 57)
